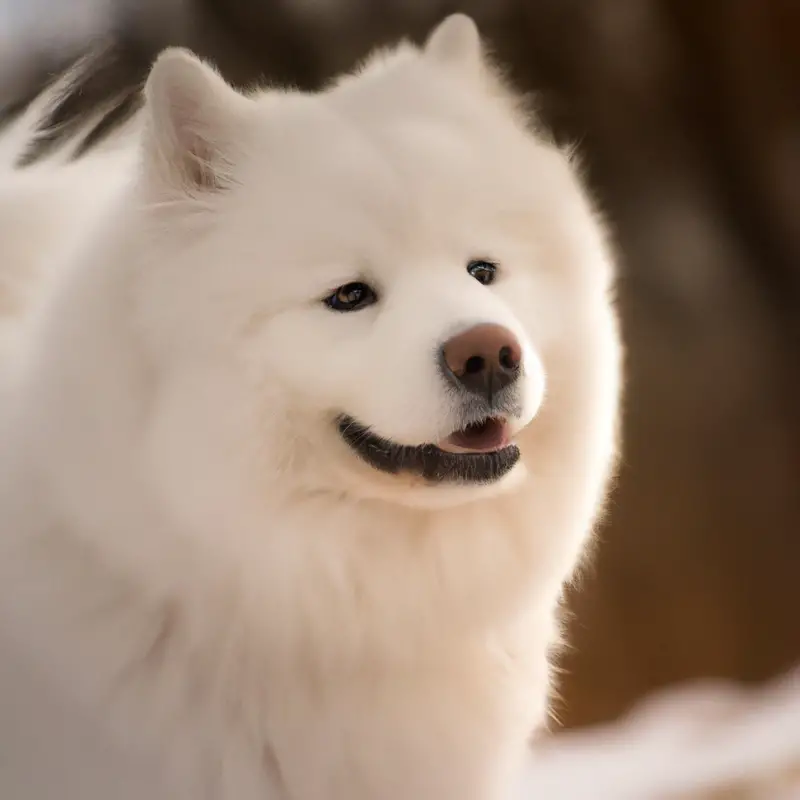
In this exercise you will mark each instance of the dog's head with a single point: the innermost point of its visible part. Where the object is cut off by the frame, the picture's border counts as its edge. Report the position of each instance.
(356, 290)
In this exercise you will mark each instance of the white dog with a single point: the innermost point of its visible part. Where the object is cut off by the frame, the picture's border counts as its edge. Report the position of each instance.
(308, 405)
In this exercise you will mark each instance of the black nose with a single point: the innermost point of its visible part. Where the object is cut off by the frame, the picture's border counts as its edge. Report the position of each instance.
(482, 360)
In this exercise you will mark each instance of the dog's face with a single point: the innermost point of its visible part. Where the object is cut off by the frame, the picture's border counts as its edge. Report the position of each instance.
(357, 289)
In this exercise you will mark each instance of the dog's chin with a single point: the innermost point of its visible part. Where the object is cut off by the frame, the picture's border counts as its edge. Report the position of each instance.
(478, 455)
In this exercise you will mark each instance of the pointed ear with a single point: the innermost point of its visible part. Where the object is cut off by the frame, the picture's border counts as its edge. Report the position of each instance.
(456, 43)
(192, 117)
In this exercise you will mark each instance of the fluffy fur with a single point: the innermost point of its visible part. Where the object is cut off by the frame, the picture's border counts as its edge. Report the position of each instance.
(194, 560)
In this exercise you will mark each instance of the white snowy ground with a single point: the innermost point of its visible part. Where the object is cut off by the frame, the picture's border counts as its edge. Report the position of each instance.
(698, 743)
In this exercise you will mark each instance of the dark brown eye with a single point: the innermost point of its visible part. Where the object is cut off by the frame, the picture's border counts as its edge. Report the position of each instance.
(351, 297)
(483, 271)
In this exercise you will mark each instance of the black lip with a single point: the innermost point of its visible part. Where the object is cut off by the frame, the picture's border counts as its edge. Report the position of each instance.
(427, 460)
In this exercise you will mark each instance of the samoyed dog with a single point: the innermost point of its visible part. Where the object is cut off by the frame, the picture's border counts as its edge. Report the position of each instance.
(309, 403)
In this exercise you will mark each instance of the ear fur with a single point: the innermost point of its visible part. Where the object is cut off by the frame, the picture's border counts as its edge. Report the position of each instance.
(192, 116)
(456, 43)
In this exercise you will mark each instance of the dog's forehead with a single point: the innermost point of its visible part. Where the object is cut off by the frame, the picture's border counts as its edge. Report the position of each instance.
(377, 169)
(396, 161)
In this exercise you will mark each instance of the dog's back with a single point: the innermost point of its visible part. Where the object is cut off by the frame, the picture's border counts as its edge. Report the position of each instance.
(56, 175)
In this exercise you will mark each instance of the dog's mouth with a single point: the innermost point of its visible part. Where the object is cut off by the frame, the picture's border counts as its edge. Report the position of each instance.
(480, 453)
(488, 436)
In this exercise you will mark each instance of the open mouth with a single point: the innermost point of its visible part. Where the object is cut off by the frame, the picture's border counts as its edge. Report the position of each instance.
(477, 454)
(488, 436)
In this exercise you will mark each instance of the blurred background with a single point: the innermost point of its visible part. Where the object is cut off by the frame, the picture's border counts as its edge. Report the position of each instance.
(688, 116)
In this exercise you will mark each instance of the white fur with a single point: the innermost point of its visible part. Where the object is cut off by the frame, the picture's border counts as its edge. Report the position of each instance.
(191, 556)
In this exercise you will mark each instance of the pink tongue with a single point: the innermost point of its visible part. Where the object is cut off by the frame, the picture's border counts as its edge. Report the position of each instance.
(485, 438)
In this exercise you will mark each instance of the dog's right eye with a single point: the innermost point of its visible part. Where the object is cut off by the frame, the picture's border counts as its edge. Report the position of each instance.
(351, 297)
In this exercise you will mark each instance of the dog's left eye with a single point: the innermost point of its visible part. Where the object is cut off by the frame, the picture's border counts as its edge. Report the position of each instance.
(352, 297)
(483, 271)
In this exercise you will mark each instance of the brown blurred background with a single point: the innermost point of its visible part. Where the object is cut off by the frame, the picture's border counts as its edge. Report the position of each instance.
(688, 115)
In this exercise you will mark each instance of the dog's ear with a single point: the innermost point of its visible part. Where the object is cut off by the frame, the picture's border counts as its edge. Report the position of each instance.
(456, 43)
(192, 121)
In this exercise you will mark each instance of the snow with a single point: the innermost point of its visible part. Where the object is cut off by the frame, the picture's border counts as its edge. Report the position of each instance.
(697, 742)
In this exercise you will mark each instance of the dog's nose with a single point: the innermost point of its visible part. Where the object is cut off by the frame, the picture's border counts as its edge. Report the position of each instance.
(483, 360)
